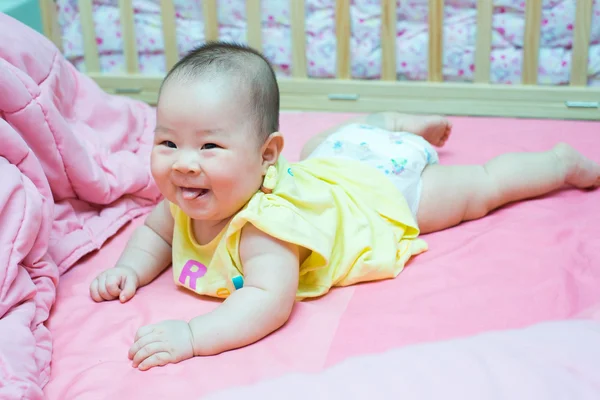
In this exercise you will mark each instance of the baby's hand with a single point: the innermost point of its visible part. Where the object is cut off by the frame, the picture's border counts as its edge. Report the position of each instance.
(119, 282)
(161, 344)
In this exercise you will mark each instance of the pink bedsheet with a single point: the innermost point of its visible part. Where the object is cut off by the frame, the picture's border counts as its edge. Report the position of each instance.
(527, 263)
(73, 170)
(547, 361)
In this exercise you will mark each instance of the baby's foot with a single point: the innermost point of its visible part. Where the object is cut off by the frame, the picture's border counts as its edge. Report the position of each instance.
(435, 129)
(581, 172)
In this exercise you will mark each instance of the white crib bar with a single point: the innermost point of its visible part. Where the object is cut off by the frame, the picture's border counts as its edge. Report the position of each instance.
(581, 43)
(388, 40)
(90, 48)
(342, 36)
(483, 47)
(436, 40)
(531, 43)
(129, 40)
(298, 38)
(254, 27)
(169, 32)
(211, 20)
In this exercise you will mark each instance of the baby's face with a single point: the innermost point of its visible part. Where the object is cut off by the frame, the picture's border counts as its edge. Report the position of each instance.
(206, 156)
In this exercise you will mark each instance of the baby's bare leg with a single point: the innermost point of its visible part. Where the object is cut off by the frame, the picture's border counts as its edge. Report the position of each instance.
(453, 194)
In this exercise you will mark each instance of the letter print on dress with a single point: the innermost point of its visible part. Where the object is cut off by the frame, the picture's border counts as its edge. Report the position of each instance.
(194, 270)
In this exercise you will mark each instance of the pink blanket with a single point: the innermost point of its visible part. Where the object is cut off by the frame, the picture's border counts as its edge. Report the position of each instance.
(73, 170)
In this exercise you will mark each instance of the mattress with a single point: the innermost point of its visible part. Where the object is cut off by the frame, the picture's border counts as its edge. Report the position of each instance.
(460, 32)
(462, 303)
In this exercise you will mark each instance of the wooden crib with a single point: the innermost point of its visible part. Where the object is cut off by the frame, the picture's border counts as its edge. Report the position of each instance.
(300, 92)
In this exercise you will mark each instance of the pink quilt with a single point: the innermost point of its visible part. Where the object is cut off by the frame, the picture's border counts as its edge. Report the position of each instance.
(74, 169)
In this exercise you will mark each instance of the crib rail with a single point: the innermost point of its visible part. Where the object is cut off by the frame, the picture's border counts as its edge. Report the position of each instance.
(388, 40)
(130, 47)
(531, 45)
(483, 45)
(211, 20)
(298, 39)
(50, 23)
(342, 37)
(436, 38)
(581, 42)
(344, 93)
(88, 31)
(169, 33)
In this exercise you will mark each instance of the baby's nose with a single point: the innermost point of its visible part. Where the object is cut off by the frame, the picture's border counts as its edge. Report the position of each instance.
(187, 164)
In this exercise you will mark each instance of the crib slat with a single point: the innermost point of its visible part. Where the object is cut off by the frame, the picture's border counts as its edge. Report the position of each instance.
(531, 44)
(88, 31)
(436, 40)
(169, 31)
(483, 48)
(50, 22)
(342, 36)
(129, 40)
(254, 30)
(388, 40)
(298, 39)
(211, 20)
(581, 43)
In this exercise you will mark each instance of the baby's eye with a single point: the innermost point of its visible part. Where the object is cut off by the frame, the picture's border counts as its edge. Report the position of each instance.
(169, 144)
(209, 146)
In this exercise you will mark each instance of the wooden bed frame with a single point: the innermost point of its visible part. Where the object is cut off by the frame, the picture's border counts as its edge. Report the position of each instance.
(299, 92)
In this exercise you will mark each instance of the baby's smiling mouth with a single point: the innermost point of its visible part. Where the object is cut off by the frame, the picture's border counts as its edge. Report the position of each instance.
(192, 193)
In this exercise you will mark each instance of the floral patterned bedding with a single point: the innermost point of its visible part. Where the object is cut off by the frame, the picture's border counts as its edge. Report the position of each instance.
(460, 32)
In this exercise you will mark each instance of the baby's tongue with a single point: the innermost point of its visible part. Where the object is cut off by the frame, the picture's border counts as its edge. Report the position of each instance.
(189, 193)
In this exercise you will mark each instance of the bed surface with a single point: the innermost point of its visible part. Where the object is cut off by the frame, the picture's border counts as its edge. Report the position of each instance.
(460, 32)
(526, 263)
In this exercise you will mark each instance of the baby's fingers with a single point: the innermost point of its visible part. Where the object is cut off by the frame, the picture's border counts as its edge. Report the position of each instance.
(128, 288)
(94, 292)
(155, 360)
(147, 351)
(113, 285)
(102, 288)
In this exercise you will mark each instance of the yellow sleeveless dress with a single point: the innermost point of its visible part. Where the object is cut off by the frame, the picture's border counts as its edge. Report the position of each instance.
(355, 222)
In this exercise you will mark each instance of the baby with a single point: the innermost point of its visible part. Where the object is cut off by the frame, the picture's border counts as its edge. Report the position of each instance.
(240, 223)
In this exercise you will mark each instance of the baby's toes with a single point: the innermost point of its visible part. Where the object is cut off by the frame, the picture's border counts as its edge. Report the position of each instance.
(447, 133)
(448, 128)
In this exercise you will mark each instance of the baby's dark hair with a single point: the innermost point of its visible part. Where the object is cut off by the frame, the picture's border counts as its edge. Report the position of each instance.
(240, 61)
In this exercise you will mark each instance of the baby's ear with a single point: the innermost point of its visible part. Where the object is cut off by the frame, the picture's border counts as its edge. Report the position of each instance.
(272, 149)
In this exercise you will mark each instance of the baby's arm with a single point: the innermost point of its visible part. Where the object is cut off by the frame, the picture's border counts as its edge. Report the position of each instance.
(146, 255)
(148, 252)
(263, 305)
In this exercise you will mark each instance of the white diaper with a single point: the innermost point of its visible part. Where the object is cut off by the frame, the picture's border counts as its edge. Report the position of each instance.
(401, 156)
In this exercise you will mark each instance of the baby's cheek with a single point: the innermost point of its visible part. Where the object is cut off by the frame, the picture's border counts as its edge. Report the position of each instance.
(160, 174)
(231, 189)
(155, 164)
